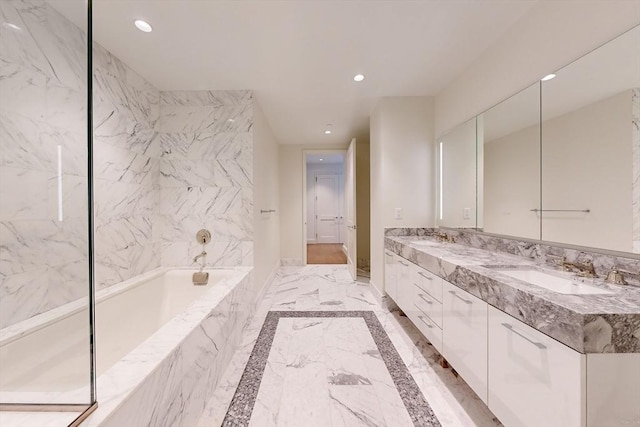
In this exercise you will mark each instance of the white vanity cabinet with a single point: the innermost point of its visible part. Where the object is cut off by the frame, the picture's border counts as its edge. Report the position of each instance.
(464, 336)
(405, 282)
(391, 274)
(534, 380)
(426, 312)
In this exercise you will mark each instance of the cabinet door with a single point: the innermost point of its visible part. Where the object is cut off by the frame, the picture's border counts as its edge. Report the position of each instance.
(390, 275)
(464, 336)
(405, 284)
(533, 379)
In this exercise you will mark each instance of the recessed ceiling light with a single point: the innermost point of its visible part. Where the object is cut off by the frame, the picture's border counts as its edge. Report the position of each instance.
(321, 159)
(547, 77)
(327, 132)
(10, 25)
(358, 77)
(143, 26)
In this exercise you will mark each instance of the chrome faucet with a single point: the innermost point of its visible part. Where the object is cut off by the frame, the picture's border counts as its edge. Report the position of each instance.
(444, 237)
(584, 269)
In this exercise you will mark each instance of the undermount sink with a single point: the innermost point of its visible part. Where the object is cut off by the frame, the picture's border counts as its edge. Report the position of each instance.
(424, 243)
(552, 282)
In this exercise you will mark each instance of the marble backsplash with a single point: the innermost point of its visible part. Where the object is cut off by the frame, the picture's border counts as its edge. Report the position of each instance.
(165, 165)
(543, 253)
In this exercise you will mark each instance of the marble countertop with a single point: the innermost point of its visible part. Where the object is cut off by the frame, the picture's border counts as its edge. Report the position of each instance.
(594, 323)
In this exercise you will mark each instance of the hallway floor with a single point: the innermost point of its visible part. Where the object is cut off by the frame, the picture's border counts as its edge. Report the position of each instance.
(350, 362)
(326, 253)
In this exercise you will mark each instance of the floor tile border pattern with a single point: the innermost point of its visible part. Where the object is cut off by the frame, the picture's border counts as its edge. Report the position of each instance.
(241, 407)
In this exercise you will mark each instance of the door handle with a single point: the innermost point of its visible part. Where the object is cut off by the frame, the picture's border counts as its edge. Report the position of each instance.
(425, 276)
(512, 329)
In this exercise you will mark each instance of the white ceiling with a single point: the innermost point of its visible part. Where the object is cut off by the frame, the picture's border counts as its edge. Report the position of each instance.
(600, 74)
(300, 56)
(325, 158)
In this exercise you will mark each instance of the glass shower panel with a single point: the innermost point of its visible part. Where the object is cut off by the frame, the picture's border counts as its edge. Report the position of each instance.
(45, 292)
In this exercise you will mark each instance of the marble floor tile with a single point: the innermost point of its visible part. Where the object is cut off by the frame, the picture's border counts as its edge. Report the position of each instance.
(330, 288)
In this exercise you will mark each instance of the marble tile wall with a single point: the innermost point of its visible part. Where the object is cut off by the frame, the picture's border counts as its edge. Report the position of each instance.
(126, 171)
(165, 165)
(205, 143)
(43, 261)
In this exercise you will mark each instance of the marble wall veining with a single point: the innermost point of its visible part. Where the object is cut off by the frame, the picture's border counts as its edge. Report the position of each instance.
(205, 144)
(43, 90)
(126, 169)
(165, 165)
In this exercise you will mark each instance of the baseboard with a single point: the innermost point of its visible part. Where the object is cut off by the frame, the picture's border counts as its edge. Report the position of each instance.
(286, 262)
(376, 293)
(267, 282)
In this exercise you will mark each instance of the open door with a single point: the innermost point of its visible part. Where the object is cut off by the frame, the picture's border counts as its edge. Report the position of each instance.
(350, 208)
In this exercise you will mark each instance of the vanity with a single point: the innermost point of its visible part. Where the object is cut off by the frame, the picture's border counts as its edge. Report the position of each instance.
(537, 203)
(539, 345)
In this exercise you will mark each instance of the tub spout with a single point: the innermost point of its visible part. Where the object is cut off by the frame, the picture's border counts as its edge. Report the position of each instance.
(202, 255)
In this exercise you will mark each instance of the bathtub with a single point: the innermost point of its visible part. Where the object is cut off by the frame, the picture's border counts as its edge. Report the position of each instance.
(160, 342)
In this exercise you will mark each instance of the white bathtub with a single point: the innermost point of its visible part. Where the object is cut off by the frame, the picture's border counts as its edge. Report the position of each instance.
(141, 325)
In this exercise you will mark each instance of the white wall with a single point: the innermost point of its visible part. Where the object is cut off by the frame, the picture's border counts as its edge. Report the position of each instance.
(314, 170)
(265, 196)
(290, 158)
(549, 36)
(402, 171)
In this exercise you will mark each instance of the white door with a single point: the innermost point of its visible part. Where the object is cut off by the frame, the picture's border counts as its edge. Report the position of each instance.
(327, 209)
(350, 208)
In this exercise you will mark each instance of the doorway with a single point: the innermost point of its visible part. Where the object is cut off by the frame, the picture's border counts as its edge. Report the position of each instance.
(324, 218)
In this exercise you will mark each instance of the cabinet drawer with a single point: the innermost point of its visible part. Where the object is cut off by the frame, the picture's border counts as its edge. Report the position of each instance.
(464, 326)
(533, 379)
(429, 282)
(428, 305)
(429, 329)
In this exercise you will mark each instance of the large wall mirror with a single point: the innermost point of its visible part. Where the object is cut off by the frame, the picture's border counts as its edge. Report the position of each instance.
(590, 148)
(457, 156)
(510, 135)
(559, 161)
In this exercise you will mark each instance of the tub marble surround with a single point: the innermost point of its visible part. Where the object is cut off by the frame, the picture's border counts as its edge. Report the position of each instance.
(167, 379)
(586, 323)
